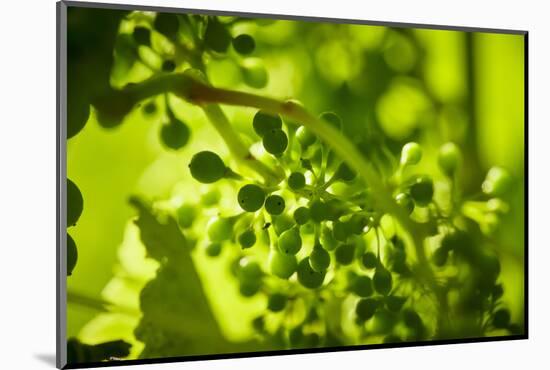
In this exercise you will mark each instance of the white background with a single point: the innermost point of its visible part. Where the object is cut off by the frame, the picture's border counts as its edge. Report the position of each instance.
(27, 181)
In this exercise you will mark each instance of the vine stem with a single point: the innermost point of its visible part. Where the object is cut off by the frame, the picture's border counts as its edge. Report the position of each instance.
(197, 92)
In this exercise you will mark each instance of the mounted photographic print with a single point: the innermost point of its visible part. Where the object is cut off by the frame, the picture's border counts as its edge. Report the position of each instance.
(235, 184)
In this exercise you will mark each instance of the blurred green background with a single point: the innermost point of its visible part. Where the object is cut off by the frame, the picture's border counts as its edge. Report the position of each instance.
(395, 84)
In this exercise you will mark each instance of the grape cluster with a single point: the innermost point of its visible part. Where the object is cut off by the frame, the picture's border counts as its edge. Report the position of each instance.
(323, 243)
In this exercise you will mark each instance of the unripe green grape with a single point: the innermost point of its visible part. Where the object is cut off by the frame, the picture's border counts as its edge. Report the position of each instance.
(308, 277)
(405, 201)
(366, 308)
(149, 108)
(244, 44)
(251, 197)
(333, 119)
(449, 158)
(264, 122)
(216, 36)
(497, 182)
(72, 255)
(340, 231)
(382, 280)
(274, 204)
(501, 318)
(275, 141)
(362, 286)
(167, 24)
(175, 134)
(369, 260)
(305, 137)
(142, 36)
(319, 259)
(186, 215)
(247, 239)
(344, 254)
(412, 320)
(259, 324)
(219, 229)
(282, 223)
(168, 66)
(78, 111)
(213, 249)
(249, 270)
(345, 173)
(411, 154)
(207, 167)
(357, 223)
(249, 288)
(276, 302)
(290, 241)
(422, 190)
(254, 73)
(318, 211)
(296, 336)
(301, 215)
(327, 240)
(210, 198)
(75, 203)
(296, 181)
(282, 265)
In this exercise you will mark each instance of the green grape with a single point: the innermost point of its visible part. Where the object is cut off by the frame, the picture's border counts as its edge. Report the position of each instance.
(440, 256)
(333, 119)
(366, 308)
(216, 36)
(296, 181)
(264, 122)
(186, 215)
(290, 241)
(345, 173)
(251, 197)
(275, 141)
(404, 200)
(75, 203)
(72, 255)
(412, 320)
(382, 280)
(422, 190)
(249, 270)
(296, 336)
(168, 66)
(341, 230)
(259, 324)
(282, 223)
(247, 239)
(449, 158)
(282, 265)
(327, 240)
(78, 111)
(167, 24)
(411, 154)
(276, 302)
(301, 215)
(319, 259)
(219, 229)
(497, 182)
(308, 277)
(249, 288)
(211, 198)
(357, 223)
(369, 260)
(344, 254)
(362, 286)
(175, 134)
(207, 167)
(318, 211)
(244, 44)
(142, 36)
(149, 108)
(254, 73)
(213, 249)
(274, 205)
(305, 137)
(334, 209)
(395, 303)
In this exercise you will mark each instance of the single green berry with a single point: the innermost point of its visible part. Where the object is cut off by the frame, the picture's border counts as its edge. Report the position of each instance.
(290, 241)
(244, 44)
(411, 154)
(75, 203)
(216, 36)
(207, 167)
(296, 181)
(264, 122)
(366, 308)
(175, 134)
(382, 280)
(362, 286)
(247, 239)
(276, 302)
(318, 211)
(142, 36)
(282, 265)
(319, 259)
(301, 215)
(249, 288)
(282, 223)
(254, 73)
(305, 137)
(422, 190)
(449, 158)
(369, 260)
(219, 229)
(275, 141)
(344, 254)
(251, 197)
(308, 277)
(274, 204)
(213, 249)
(332, 119)
(341, 230)
(249, 270)
(168, 66)
(186, 215)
